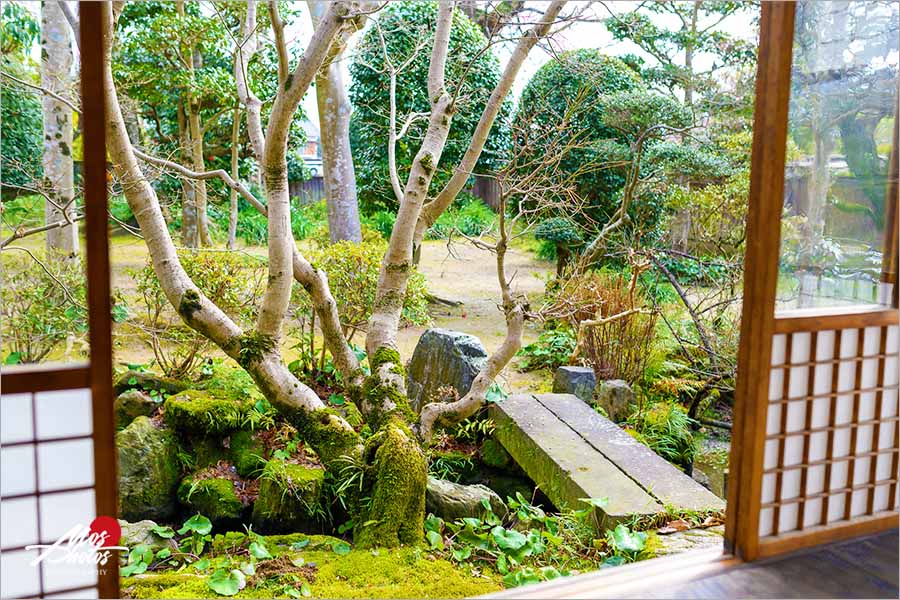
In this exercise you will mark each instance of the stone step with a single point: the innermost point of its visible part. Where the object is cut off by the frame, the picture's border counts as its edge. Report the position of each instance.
(662, 480)
(564, 465)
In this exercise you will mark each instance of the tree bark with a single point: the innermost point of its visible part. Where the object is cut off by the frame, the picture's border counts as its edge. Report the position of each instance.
(56, 64)
(190, 234)
(334, 131)
(233, 197)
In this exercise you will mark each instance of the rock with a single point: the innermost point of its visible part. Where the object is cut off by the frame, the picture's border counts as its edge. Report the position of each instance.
(580, 381)
(289, 497)
(201, 413)
(452, 501)
(247, 454)
(692, 539)
(615, 397)
(132, 404)
(506, 485)
(494, 455)
(148, 471)
(141, 532)
(701, 478)
(140, 380)
(443, 358)
(213, 498)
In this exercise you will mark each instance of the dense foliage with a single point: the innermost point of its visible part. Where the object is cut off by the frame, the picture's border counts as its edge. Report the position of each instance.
(407, 28)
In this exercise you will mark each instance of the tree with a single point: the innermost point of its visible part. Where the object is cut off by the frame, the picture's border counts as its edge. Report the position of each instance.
(59, 174)
(574, 82)
(337, 159)
(400, 37)
(391, 462)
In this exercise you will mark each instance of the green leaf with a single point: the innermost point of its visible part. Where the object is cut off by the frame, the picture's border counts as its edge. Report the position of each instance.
(13, 358)
(133, 569)
(596, 502)
(502, 564)
(119, 313)
(292, 591)
(463, 553)
(141, 553)
(163, 531)
(345, 527)
(336, 400)
(202, 564)
(305, 590)
(435, 541)
(132, 381)
(624, 540)
(495, 394)
(508, 540)
(227, 583)
(614, 561)
(433, 523)
(340, 548)
(300, 544)
(248, 568)
(164, 553)
(550, 573)
(196, 524)
(258, 550)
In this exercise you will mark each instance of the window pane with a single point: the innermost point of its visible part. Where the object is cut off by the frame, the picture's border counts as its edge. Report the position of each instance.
(841, 136)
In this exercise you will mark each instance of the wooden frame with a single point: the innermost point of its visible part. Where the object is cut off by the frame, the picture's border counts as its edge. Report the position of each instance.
(759, 327)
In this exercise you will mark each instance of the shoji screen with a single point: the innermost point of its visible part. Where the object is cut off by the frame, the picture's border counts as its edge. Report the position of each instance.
(815, 448)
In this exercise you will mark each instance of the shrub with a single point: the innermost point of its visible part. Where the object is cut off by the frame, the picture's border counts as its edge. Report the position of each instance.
(667, 430)
(552, 349)
(234, 280)
(405, 24)
(352, 271)
(470, 216)
(382, 221)
(40, 309)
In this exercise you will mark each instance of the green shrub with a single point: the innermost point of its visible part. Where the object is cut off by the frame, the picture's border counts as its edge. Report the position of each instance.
(382, 221)
(551, 350)
(667, 430)
(306, 219)
(40, 310)
(470, 216)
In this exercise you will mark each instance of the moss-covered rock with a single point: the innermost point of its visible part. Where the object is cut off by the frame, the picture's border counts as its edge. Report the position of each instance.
(214, 498)
(132, 404)
(290, 497)
(141, 380)
(494, 455)
(247, 453)
(148, 471)
(195, 412)
(233, 542)
(142, 533)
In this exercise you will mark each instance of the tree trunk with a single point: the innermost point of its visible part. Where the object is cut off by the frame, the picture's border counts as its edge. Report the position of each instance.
(190, 237)
(334, 131)
(56, 63)
(233, 199)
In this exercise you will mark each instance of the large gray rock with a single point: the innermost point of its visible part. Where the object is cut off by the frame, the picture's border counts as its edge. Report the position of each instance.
(148, 471)
(452, 501)
(133, 404)
(579, 381)
(615, 397)
(141, 533)
(443, 358)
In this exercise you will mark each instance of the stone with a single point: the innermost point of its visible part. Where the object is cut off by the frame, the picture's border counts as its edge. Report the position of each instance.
(148, 471)
(132, 404)
(452, 501)
(580, 381)
(197, 412)
(247, 453)
(615, 397)
(443, 358)
(691, 539)
(290, 497)
(141, 380)
(141, 533)
(493, 454)
(214, 498)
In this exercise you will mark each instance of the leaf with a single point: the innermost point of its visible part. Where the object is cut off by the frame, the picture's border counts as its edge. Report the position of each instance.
(298, 561)
(141, 553)
(596, 502)
(345, 527)
(614, 561)
(463, 553)
(435, 541)
(433, 523)
(495, 394)
(196, 524)
(132, 380)
(340, 548)
(133, 569)
(248, 568)
(163, 531)
(305, 590)
(292, 591)
(550, 573)
(258, 550)
(502, 565)
(300, 544)
(508, 540)
(625, 540)
(202, 564)
(13, 358)
(679, 525)
(227, 583)
(336, 400)
(164, 553)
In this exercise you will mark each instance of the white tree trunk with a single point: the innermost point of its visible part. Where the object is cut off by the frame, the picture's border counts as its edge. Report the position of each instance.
(56, 65)
(233, 198)
(334, 130)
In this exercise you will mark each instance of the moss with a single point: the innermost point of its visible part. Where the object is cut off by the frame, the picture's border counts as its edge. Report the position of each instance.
(289, 497)
(396, 512)
(253, 346)
(494, 455)
(383, 392)
(234, 541)
(206, 451)
(402, 573)
(384, 355)
(351, 414)
(213, 498)
(427, 162)
(190, 303)
(148, 471)
(199, 412)
(390, 299)
(247, 453)
(325, 431)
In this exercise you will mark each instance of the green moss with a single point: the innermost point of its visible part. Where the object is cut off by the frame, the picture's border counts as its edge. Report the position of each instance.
(148, 471)
(190, 303)
(351, 414)
(385, 355)
(199, 412)
(234, 541)
(324, 431)
(396, 511)
(213, 498)
(401, 573)
(494, 455)
(253, 346)
(206, 451)
(289, 497)
(247, 453)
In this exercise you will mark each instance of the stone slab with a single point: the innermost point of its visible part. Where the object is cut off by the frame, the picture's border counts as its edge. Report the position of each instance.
(563, 464)
(654, 474)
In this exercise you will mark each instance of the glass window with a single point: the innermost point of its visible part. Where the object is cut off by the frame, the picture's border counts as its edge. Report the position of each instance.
(841, 137)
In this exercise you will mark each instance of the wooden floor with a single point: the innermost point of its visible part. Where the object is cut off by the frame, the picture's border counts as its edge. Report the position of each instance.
(861, 568)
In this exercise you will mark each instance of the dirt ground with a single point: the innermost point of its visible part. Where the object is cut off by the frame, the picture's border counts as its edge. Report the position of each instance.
(459, 272)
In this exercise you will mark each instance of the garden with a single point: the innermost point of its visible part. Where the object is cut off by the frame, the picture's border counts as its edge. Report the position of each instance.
(343, 234)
